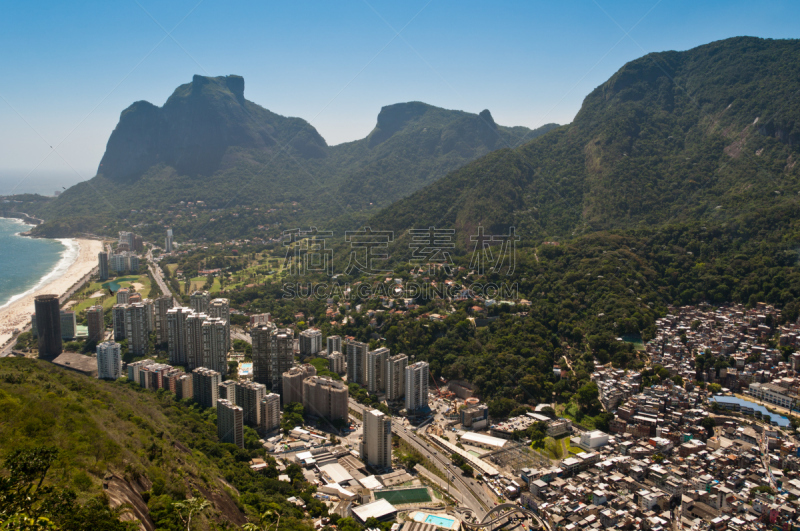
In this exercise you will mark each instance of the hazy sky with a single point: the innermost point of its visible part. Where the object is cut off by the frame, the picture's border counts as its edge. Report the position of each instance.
(69, 70)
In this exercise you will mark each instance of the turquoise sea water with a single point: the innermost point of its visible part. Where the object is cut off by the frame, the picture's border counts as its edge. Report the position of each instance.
(28, 263)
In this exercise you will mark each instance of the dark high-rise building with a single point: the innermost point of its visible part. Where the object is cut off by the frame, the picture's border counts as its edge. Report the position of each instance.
(96, 322)
(102, 264)
(48, 325)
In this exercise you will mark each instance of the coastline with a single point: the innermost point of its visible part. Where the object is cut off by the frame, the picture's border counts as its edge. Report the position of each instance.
(17, 313)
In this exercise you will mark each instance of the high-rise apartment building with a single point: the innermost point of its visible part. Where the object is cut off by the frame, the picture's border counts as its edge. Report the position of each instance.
(230, 423)
(206, 386)
(396, 377)
(183, 386)
(334, 344)
(199, 300)
(96, 323)
(324, 397)
(136, 331)
(221, 309)
(272, 354)
(376, 369)
(248, 397)
(118, 315)
(69, 324)
(168, 241)
(356, 362)
(102, 265)
(193, 344)
(176, 335)
(123, 296)
(123, 261)
(109, 360)
(48, 325)
(215, 345)
(150, 312)
(417, 376)
(161, 306)
(227, 391)
(336, 362)
(310, 342)
(292, 388)
(270, 413)
(376, 443)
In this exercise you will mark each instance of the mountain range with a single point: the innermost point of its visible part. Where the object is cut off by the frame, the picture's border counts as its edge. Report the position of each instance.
(702, 136)
(209, 143)
(705, 135)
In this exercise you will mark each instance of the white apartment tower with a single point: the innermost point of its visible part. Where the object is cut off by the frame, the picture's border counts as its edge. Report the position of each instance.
(376, 443)
(109, 360)
(270, 413)
(417, 376)
(396, 377)
(310, 342)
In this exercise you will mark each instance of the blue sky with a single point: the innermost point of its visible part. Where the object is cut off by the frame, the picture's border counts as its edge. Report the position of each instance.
(69, 70)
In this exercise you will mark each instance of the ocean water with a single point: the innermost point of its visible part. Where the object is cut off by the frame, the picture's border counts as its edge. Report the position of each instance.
(26, 264)
(38, 182)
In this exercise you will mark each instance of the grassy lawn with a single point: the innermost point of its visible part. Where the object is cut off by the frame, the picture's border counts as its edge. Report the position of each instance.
(84, 296)
(172, 268)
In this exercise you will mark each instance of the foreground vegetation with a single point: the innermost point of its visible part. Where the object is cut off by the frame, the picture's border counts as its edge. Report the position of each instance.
(94, 432)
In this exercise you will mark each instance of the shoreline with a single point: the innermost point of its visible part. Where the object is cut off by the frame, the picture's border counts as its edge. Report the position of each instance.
(16, 314)
(68, 256)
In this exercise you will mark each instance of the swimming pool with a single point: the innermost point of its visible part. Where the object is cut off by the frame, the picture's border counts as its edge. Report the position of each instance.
(440, 521)
(443, 522)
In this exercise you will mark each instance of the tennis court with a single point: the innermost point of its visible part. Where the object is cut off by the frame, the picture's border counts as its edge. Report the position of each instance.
(401, 496)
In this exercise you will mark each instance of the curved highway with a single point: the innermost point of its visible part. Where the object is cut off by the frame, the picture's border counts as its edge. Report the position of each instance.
(489, 521)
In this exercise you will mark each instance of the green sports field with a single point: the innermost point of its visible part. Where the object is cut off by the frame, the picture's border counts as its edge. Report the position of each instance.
(399, 497)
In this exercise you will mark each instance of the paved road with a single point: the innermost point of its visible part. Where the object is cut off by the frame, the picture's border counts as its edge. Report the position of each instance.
(473, 494)
(158, 275)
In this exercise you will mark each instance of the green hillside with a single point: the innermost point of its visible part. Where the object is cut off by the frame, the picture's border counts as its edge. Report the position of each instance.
(117, 443)
(705, 135)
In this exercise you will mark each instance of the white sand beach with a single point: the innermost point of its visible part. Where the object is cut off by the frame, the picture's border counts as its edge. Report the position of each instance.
(17, 315)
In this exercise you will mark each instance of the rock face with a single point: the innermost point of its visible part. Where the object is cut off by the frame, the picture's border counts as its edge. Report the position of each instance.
(197, 128)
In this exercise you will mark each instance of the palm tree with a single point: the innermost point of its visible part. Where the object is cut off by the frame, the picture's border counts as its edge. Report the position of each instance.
(187, 509)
